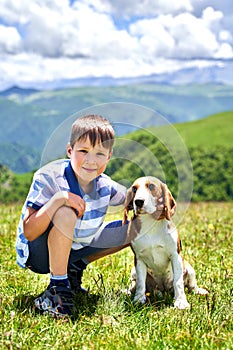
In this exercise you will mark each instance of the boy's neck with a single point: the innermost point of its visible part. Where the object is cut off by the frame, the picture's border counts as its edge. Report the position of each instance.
(86, 187)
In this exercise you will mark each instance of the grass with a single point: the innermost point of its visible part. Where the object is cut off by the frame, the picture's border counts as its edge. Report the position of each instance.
(107, 319)
(214, 130)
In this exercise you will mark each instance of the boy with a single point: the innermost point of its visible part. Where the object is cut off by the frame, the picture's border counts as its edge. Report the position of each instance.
(62, 226)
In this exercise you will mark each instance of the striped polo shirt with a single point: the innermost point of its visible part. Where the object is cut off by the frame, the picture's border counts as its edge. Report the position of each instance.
(52, 178)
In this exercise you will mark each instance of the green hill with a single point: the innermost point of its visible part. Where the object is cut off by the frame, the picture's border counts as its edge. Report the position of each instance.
(215, 130)
(197, 154)
(194, 154)
(13, 187)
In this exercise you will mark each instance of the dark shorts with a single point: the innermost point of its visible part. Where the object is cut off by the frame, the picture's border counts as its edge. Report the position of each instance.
(113, 235)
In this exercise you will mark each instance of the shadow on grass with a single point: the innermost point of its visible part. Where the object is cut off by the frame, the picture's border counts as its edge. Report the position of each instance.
(154, 301)
(85, 304)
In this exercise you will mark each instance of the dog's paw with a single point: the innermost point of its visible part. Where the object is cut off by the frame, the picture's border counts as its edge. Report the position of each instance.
(139, 298)
(126, 291)
(201, 291)
(181, 304)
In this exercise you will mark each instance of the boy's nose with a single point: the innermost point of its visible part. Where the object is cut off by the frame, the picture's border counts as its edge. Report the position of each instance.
(90, 158)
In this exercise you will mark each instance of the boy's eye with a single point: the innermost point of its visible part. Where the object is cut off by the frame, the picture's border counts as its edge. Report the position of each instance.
(100, 154)
(83, 151)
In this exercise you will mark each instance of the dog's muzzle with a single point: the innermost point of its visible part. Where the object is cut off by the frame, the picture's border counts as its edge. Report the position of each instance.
(138, 206)
(139, 203)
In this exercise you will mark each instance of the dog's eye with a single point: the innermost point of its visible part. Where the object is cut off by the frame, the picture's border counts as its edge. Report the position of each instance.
(151, 187)
(134, 189)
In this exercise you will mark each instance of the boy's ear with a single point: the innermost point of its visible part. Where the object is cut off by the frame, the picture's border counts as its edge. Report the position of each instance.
(110, 155)
(68, 149)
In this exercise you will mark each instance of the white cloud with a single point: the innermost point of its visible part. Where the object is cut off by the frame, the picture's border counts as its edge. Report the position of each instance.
(53, 40)
(183, 36)
(193, 38)
(148, 8)
(225, 51)
(10, 40)
(209, 15)
(14, 11)
(225, 35)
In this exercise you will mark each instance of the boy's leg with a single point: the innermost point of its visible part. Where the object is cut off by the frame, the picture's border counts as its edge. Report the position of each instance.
(111, 239)
(39, 256)
(60, 240)
(105, 252)
(79, 260)
(111, 235)
(57, 299)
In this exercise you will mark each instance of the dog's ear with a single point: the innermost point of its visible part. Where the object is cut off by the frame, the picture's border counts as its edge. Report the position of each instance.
(133, 228)
(128, 205)
(169, 203)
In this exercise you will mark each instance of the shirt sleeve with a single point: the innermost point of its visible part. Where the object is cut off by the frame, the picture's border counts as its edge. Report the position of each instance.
(118, 194)
(42, 189)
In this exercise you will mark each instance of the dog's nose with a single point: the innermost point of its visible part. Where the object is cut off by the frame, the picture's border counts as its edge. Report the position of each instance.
(139, 203)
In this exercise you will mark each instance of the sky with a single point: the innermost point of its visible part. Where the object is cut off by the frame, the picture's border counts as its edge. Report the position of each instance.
(47, 43)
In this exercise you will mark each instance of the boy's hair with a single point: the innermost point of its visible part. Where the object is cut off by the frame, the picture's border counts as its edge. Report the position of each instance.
(96, 128)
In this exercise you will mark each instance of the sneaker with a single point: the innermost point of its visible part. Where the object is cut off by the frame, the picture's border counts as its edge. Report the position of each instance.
(75, 273)
(56, 301)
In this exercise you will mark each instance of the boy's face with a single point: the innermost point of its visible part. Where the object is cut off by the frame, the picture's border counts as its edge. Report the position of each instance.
(88, 162)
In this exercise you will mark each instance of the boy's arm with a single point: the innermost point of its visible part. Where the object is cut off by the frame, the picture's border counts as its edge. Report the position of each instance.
(37, 221)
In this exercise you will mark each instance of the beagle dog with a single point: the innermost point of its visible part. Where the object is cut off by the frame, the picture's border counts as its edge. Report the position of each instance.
(155, 242)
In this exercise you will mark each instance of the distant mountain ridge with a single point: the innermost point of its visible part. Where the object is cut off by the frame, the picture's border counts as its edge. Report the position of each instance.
(16, 90)
(28, 117)
(219, 74)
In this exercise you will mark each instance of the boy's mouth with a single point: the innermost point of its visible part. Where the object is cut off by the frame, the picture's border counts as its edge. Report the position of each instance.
(89, 170)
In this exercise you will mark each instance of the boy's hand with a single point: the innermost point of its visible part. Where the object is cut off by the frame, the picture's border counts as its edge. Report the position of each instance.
(160, 206)
(76, 202)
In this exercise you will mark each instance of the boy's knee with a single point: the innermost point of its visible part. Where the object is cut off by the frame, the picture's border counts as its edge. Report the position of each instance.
(65, 216)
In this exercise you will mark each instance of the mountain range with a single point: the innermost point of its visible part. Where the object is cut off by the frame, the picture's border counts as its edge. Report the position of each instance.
(28, 117)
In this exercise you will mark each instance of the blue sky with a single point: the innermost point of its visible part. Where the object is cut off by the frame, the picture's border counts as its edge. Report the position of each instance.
(46, 42)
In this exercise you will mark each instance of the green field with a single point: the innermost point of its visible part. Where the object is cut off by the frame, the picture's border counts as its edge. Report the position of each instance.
(212, 131)
(107, 319)
(215, 130)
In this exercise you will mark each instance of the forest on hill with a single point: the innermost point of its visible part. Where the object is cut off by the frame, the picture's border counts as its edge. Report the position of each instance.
(206, 164)
(195, 157)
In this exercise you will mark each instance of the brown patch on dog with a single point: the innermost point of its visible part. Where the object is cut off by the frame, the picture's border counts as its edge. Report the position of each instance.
(169, 203)
(128, 205)
(154, 188)
(179, 245)
(134, 228)
(134, 223)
